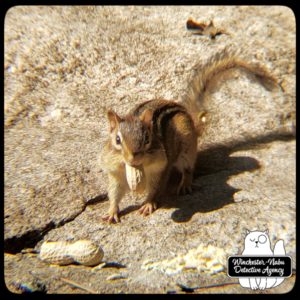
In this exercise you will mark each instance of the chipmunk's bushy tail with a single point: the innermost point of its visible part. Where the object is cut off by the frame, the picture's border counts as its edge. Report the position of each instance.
(207, 75)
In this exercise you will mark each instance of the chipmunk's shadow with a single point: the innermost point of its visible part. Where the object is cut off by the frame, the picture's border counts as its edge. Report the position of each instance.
(213, 169)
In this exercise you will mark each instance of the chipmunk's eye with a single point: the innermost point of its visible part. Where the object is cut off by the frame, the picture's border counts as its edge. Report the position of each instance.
(118, 140)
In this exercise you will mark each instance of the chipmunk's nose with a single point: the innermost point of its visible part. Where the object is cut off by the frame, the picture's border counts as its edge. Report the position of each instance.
(134, 159)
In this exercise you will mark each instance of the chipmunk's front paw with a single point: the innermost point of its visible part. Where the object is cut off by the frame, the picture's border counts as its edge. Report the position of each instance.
(148, 208)
(112, 217)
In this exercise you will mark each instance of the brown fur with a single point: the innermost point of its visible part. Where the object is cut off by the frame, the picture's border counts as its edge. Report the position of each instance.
(161, 136)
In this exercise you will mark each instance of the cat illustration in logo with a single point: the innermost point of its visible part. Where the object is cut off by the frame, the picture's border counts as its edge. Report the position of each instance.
(257, 243)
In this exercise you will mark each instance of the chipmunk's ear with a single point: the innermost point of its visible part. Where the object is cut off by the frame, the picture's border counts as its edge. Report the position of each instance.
(114, 119)
(146, 117)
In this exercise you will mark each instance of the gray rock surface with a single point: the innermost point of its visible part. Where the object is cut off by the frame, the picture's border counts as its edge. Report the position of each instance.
(65, 66)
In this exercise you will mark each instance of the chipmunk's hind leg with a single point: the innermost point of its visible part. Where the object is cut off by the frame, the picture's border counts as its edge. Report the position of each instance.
(185, 185)
(187, 138)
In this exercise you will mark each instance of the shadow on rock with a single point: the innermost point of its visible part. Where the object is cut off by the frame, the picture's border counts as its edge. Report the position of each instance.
(214, 167)
(129, 209)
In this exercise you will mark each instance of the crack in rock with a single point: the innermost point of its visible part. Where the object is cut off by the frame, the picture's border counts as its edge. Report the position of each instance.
(29, 239)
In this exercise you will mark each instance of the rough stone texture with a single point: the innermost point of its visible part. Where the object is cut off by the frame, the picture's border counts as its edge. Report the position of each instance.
(65, 66)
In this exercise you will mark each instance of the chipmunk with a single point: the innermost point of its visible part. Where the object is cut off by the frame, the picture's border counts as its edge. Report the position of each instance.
(158, 136)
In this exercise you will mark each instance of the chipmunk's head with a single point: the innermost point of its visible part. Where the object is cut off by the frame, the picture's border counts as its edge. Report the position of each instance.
(131, 135)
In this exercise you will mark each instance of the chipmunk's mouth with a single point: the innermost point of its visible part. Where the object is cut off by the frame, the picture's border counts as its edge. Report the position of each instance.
(134, 163)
